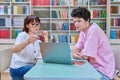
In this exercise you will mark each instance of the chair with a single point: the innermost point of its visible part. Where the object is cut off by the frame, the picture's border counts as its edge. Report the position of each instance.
(5, 59)
(117, 59)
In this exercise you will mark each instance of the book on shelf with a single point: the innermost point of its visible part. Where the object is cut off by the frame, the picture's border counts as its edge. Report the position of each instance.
(53, 38)
(59, 14)
(1, 9)
(91, 12)
(74, 38)
(65, 26)
(20, 9)
(41, 2)
(15, 33)
(94, 13)
(53, 27)
(78, 2)
(2, 21)
(115, 0)
(102, 25)
(113, 33)
(60, 26)
(114, 9)
(98, 13)
(102, 2)
(59, 2)
(4, 0)
(94, 2)
(42, 14)
(59, 38)
(75, 2)
(45, 26)
(20, 0)
(4, 9)
(117, 21)
(98, 2)
(55, 2)
(17, 21)
(72, 26)
(62, 38)
(117, 34)
(112, 22)
(4, 33)
(103, 13)
(5, 22)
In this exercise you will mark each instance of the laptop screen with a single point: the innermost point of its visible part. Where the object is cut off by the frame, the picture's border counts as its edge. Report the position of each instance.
(56, 53)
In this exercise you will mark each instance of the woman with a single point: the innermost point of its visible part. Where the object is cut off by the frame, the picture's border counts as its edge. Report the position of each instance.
(26, 48)
(93, 44)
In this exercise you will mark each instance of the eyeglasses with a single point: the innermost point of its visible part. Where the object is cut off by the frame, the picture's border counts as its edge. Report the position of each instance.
(36, 25)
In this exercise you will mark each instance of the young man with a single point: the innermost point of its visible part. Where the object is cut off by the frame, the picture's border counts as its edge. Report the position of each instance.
(93, 44)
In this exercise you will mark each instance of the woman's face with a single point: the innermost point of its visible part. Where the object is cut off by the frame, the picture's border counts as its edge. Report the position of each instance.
(33, 27)
(80, 24)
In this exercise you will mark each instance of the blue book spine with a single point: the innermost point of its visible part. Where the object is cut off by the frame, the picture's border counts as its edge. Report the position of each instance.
(52, 2)
(60, 38)
(64, 38)
(2, 21)
(113, 34)
(119, 22)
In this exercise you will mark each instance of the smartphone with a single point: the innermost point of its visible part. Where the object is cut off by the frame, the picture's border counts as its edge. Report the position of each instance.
(41, 38)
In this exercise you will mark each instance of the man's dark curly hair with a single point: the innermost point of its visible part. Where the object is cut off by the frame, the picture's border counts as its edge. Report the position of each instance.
(81, 12)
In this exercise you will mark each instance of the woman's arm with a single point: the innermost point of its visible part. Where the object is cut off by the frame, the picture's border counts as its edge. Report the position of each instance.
(19, 47)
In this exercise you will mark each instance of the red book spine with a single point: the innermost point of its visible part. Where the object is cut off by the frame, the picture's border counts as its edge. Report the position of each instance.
(72, 26)
(116, 22)
(48, 2)
(35, 2)
(0, 33)
(42, 2)
(6, 34)
(95, 13)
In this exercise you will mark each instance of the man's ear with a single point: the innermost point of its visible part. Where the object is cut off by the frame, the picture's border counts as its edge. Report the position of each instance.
(88, 20)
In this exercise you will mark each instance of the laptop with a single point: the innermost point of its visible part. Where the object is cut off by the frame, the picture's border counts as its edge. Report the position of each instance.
(59, 53)
(56, 53)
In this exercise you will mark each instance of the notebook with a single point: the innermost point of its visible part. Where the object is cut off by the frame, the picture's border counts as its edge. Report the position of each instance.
(56, 53)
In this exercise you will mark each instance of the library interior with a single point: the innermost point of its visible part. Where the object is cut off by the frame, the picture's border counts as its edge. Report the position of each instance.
(55, 17)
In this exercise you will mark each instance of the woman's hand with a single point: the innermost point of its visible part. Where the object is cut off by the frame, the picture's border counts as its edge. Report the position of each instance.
(44, 36)
(32, 38)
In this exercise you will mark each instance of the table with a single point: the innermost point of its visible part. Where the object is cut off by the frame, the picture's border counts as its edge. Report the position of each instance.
(51, 71)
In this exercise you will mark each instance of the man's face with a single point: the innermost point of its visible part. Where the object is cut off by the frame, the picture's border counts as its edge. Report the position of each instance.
(80, 23)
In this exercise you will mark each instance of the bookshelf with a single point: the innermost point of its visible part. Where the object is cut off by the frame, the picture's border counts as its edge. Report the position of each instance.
(55, 17)
(115, 21)
(12, 14)
(59, 21)
(5, 18)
